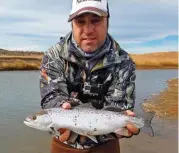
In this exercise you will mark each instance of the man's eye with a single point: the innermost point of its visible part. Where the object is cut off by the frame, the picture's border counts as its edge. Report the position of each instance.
(94, 21)
(80, 21)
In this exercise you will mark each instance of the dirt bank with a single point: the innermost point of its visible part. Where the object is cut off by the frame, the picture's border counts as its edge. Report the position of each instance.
(165, 104)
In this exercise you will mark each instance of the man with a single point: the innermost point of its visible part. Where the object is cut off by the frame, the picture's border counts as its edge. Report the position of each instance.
(88, 66)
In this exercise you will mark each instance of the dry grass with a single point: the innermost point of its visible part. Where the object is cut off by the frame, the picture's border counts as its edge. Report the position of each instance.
(165, 104)
(19, 65)
(32, 60)
(20, 60)
(4, 52)
(34, 57)
(156, 60)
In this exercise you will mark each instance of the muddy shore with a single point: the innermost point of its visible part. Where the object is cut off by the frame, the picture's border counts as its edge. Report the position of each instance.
(165, 124)
(165, 104)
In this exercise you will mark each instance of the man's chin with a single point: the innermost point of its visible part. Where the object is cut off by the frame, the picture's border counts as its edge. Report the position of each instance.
(89, 49)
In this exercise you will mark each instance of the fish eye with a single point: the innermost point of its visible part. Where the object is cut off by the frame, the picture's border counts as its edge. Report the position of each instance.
(34, 117)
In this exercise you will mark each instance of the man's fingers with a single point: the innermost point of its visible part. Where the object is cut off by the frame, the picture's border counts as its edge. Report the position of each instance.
(65, 135)
(129, 130)
(129, 134)
(82, 139)
(66, 105)
(123, 132)
(132, 128)
(130, 113)
(61, 130)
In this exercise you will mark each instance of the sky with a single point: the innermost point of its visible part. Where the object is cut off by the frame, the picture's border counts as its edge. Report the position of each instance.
(139, 26)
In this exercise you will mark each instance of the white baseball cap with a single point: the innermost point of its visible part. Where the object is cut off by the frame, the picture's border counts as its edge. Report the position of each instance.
(98, 7)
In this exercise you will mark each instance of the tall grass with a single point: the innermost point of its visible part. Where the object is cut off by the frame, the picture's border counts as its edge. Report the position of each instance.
(156, 60)
(36, 57)
(31, 60)
(151, 63)
(19, 65)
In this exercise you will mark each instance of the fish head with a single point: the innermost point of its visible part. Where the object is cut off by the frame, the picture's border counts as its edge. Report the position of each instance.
(41, 121)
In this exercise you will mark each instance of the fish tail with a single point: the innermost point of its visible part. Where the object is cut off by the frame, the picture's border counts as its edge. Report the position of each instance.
(147, 128)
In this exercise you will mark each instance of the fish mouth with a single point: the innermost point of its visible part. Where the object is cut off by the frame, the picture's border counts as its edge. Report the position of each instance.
(28, 122)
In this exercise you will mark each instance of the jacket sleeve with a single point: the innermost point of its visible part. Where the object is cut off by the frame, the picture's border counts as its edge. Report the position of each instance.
(53, 87)
(121, 93)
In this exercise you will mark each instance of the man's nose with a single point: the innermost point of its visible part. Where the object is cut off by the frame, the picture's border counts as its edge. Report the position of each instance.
(88, 28)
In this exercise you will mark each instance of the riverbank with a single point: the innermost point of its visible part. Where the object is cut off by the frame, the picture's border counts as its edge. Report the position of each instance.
(165, 104)
(164, 124)
(14, 60)
(19, 60)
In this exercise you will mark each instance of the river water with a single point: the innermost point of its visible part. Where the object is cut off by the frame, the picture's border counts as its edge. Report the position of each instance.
(20, 96)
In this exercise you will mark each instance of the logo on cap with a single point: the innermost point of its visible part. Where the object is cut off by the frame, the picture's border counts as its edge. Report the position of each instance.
(79, 1)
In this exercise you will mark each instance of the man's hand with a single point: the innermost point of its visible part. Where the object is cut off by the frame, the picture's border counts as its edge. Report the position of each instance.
(64, 133)
(130, 128)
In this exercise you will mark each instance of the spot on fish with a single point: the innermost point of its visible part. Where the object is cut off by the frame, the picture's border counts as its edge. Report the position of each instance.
(95, 129)
(34, 117)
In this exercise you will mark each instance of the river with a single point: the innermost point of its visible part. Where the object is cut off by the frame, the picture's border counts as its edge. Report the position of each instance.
(20, 96)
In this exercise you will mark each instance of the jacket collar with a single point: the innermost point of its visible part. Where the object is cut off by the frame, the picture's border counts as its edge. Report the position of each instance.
(111, 57)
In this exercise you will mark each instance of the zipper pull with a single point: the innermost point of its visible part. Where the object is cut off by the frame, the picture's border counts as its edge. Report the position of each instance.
(83, 75)
(87, 70)
(87, 65)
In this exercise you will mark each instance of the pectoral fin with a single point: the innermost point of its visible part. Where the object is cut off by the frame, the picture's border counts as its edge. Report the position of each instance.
(54, 132)
(92, 138)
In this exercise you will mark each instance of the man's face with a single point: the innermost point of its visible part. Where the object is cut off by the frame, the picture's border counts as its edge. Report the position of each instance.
(89, 31)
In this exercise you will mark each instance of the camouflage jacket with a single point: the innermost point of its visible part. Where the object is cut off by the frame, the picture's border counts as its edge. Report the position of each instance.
(64, 76)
